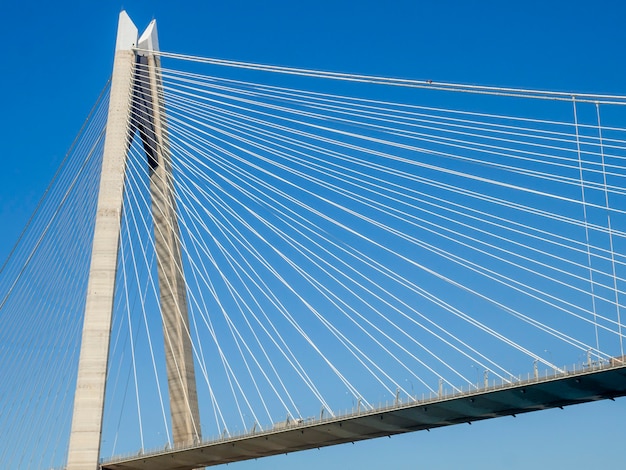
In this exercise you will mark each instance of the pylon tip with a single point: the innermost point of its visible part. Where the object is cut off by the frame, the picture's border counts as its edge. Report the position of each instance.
(126, 33)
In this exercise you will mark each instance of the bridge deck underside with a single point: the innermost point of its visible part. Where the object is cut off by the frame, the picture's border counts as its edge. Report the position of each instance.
(558, 391)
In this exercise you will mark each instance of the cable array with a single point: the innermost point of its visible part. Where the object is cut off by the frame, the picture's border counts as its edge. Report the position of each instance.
(342, 251)
(344, 244)
(43, 284)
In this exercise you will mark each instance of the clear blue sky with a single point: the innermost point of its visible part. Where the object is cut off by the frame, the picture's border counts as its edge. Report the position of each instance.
(57, 56)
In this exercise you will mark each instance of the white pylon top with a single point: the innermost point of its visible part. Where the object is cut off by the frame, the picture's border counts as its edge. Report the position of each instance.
(149, 40)
(126, 33)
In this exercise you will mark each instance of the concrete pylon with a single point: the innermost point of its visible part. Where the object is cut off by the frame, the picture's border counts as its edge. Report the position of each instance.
(172, 288)
(84, 446)
(134, 99)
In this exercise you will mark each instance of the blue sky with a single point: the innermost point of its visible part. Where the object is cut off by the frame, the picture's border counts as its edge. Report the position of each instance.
(58, 55)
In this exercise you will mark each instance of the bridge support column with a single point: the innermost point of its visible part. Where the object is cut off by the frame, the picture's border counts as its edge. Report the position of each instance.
(84, 446)
(172, 288)
(134, 105)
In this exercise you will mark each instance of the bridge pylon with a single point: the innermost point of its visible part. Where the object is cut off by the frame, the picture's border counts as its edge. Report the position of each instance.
(134, 106)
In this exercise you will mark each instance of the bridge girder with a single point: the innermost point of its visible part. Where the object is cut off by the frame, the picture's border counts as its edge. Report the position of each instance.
(563, 389)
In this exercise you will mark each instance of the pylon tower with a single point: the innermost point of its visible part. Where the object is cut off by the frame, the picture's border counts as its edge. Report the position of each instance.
(135, 106)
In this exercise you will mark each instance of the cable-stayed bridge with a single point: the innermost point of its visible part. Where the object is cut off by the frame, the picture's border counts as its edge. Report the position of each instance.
(342, 257)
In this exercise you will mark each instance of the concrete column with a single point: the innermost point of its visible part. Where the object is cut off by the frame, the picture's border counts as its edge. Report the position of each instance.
(84, 446)
(172, 288)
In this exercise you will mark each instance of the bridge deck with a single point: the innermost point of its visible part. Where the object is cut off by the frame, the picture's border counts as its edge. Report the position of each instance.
(568, 388)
